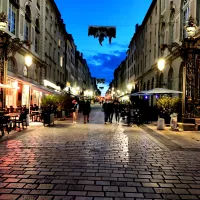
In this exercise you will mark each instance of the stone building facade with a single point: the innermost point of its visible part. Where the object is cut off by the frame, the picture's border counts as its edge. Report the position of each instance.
(52, 49)
(163, 24)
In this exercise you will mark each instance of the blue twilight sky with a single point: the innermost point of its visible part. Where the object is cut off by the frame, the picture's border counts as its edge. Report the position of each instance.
(124, 14)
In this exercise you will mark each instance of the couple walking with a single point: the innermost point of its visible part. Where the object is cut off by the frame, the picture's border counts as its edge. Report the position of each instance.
(110, 108)
(86, 111)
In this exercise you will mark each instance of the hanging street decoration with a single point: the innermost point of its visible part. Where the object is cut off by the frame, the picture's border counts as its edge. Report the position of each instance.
(101, 88)
(100, 80)
(102, 32)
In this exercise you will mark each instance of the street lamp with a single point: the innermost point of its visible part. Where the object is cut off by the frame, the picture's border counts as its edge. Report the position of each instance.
(28, 60)
(8, 45)
(188, 51)
(129, 86)
(161, 64)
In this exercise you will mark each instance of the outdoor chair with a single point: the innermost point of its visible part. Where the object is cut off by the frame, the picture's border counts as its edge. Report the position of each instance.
(21, 120)
(5, 124)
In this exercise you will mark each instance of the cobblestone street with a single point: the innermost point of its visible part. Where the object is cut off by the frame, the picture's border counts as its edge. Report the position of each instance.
(95, 162)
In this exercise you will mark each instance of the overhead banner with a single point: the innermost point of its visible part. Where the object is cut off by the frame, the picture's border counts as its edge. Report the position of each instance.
(100, 80)
(101, 88)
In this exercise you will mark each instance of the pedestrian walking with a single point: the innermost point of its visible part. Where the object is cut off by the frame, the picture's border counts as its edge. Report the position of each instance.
(74, 110)
(110, 111)
(86, 111)
(106, 111)
(117, 111)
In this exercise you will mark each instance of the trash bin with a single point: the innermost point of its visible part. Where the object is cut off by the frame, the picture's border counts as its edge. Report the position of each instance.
(161, 124)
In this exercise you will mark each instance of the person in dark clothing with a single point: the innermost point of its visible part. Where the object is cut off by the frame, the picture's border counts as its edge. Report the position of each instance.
(110, 111)
(117, 111)
(86, 108)
(106, 111)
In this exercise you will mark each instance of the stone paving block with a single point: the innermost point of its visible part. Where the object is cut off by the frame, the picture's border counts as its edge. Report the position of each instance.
(152, 196)
(96, 194)
(150, 185)
(6, 191)
(21, 191)
(45, 198)
(145, 190)
(76, 187)
(163, 190)
(45, 186)
(84, 198)
(9, 196)
(28, 197)
(57, 192)
(114, 194)
(103, 183)
(2, 185)
(39, 192)
(170, 196)
(189, 197)
(93, 188)
(127, 189)
(77, 193)
(194, 191)
(134, 195)
(12, 180)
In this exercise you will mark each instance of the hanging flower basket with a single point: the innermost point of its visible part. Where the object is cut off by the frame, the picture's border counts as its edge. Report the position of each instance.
(102, 32)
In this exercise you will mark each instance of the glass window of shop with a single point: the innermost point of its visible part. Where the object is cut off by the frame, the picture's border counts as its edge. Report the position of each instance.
(11, 94)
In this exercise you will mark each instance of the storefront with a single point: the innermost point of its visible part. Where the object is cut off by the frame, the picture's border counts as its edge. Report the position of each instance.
(23, 93)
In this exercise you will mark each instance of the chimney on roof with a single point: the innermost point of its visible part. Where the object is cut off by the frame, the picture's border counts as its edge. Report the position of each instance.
(81, 55)
(136, 27)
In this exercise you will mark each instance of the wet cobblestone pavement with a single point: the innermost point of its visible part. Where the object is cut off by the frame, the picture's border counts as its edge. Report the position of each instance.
(95, 162)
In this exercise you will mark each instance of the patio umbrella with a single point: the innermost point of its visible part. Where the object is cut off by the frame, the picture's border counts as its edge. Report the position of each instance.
(163, 91)
(141, 93)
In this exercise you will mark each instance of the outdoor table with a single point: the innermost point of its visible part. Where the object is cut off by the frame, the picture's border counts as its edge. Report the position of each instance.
(35, 113)
(13, 116)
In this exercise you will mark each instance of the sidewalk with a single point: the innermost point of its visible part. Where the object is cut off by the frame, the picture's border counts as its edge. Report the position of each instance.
(185, 139)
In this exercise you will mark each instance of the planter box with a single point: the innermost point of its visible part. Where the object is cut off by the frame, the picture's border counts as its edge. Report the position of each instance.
(61, 114)
(48, 118)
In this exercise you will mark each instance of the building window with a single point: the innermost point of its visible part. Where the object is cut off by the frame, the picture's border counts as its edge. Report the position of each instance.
(185, 16)
(170, 78)
(38, 4)
(59, 42)
(163, 5)
(36, 42)
(58, 58)
(26, 30)
(25, 71)
(12, 19)
(171, 27)
(61, 61)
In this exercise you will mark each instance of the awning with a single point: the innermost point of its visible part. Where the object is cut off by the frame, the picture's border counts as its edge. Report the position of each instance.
(6, 86)
(156, 91)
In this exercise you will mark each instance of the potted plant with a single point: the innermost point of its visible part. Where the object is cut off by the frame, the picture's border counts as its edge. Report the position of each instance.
(49, 105)
(102, 32)
(168, 105)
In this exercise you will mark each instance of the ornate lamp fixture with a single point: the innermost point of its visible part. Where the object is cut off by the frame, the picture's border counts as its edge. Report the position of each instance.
(191, 27)
(3, 21)
(102, 32)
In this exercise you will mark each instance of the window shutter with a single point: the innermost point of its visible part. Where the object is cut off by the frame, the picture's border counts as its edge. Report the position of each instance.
(33, 35)
(21, 24)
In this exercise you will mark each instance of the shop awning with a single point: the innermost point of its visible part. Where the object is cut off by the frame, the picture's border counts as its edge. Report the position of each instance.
(6, 86)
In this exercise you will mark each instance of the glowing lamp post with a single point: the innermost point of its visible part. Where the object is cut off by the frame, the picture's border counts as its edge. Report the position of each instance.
(161, 64)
